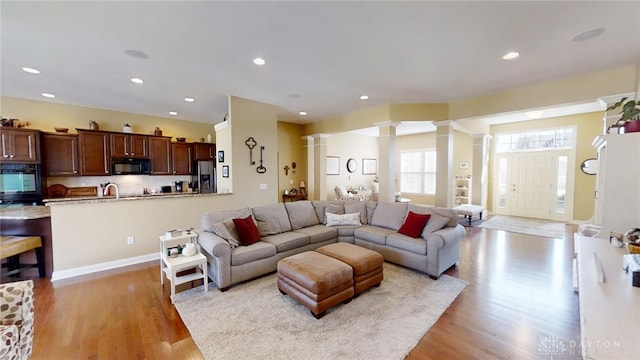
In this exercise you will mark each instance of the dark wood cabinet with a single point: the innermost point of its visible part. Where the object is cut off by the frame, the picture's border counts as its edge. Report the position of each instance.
(94, 152)
(160, 155)
(129, 146)
(19, 145)
(204, 151)
(60, 154)
(181, 158)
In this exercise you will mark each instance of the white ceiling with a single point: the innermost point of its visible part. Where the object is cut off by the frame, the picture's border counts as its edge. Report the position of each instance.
(321, 56)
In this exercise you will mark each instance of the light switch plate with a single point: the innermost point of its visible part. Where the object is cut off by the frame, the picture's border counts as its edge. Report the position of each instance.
(263, 186)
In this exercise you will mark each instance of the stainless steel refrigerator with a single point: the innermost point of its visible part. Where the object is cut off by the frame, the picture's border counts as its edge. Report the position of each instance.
(203, 179)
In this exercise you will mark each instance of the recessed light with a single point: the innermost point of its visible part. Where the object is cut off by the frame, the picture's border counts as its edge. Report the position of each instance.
(173, 113)
(135, 53)
(189, 99)
(137, 81)
(588, 34)
(511, 55)
(303, 113)
(259, 61)
(48, 95)
(364, 97)
(31, 70)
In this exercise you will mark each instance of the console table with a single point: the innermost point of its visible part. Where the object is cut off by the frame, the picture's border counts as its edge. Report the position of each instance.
(609, 305)
(293, 197)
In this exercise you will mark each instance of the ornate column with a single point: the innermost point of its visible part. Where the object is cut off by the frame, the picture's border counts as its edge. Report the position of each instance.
(387, 160)
(319, 177)
(444, 163)
(480, 169)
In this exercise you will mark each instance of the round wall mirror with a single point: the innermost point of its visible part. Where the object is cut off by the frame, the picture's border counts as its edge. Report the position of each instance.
(589, 166)
(352, 165)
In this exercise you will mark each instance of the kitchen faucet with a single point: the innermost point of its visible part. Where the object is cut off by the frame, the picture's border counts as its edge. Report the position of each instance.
(106, 190)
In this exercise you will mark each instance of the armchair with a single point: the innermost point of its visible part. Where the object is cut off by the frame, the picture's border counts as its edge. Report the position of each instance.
(16, 320)
(343, 194)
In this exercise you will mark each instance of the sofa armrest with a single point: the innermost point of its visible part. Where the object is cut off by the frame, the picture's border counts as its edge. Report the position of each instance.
(444, 237)
(214, 244)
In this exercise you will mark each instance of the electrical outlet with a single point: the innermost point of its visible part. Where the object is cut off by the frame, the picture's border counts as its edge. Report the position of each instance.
(131, 240)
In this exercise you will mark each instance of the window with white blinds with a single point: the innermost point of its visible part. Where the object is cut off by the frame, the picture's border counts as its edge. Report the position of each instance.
(418, 172)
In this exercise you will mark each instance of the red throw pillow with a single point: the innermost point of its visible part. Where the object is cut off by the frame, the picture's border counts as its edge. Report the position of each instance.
(247, 230)
(414, 224)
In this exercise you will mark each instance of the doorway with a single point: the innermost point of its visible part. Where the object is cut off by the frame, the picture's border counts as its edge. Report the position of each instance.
(534, 183)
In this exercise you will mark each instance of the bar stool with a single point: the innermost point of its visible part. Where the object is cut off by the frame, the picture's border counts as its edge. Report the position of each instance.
(13, 246)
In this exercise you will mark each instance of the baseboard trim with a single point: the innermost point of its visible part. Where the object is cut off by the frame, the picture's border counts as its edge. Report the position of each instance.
(84, 270)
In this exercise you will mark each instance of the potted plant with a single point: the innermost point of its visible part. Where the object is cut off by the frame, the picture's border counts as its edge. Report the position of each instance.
(629, 115)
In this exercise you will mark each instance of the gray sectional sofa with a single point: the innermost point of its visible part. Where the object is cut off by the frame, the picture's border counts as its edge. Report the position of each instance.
(294, 227)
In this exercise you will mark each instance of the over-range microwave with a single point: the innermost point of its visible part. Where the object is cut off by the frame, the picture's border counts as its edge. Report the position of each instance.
(126, 166)
(20, 184)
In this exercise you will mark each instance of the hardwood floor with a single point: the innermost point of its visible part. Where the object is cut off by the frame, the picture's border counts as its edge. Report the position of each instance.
(519, 296)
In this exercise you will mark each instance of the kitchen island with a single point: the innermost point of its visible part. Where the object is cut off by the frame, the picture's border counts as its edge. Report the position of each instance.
(30, 221)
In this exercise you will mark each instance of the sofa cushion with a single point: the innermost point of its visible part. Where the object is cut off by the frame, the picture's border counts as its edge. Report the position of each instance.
(408, 243)
(246, 254)
(435, 223)
(211, 218)
(371, 208)
(373, 234)
(287, 240)
(301, 214)
(272, 219)
(448, 213)
(226, 229)
(389, 215)
(359, 207)
(247, 231)
(319, 233)
(414, 224)
(322, 207)
(344, 219)
(346, 230)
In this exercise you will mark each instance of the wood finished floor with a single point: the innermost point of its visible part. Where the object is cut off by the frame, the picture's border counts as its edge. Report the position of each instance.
(520, 293)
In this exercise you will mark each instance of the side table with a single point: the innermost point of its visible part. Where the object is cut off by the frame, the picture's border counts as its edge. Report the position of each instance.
(170, 266)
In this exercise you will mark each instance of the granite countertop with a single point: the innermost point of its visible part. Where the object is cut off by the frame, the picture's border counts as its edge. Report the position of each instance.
(24, 213)
(105, 199)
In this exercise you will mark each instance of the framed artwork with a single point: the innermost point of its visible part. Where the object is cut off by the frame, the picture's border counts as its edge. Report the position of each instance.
(369, 166)
(221, 156)
(464, 165)
(225, 171)
(333, 165)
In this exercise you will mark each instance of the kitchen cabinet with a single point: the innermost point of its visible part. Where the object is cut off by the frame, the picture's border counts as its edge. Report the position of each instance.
(60, 154)
(160, 155)
(129, 146)
(20, 145)
(94, 153)
(181, 158)
(204, 151)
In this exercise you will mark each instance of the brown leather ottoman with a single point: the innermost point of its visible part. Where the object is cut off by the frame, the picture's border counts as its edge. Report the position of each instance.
(366, 264)
(316, 281)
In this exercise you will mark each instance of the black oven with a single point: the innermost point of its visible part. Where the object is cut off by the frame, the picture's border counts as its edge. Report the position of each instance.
(20, 184)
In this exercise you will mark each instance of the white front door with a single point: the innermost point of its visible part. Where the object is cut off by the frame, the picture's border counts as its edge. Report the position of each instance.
(531, 184)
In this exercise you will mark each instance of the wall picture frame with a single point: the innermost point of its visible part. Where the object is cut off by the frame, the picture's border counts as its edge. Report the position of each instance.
(464, 165)
(333, 165)
(225, 171)
(369, 166)
(221, 156)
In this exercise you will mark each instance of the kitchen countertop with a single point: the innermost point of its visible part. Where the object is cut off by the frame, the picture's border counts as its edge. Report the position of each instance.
(24, 213)
(104, 199)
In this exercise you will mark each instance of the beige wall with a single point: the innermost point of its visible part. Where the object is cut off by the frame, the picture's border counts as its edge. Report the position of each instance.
(291, 148)
(462, 153)
(346, 146)
(588, 127)
(44, 115)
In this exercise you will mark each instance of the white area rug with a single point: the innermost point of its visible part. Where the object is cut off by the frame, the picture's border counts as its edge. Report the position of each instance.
(254, 321)
(536, 227)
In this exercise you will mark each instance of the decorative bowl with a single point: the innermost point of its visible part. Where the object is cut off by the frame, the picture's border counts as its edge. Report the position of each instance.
(61, 130)
(181, 139)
